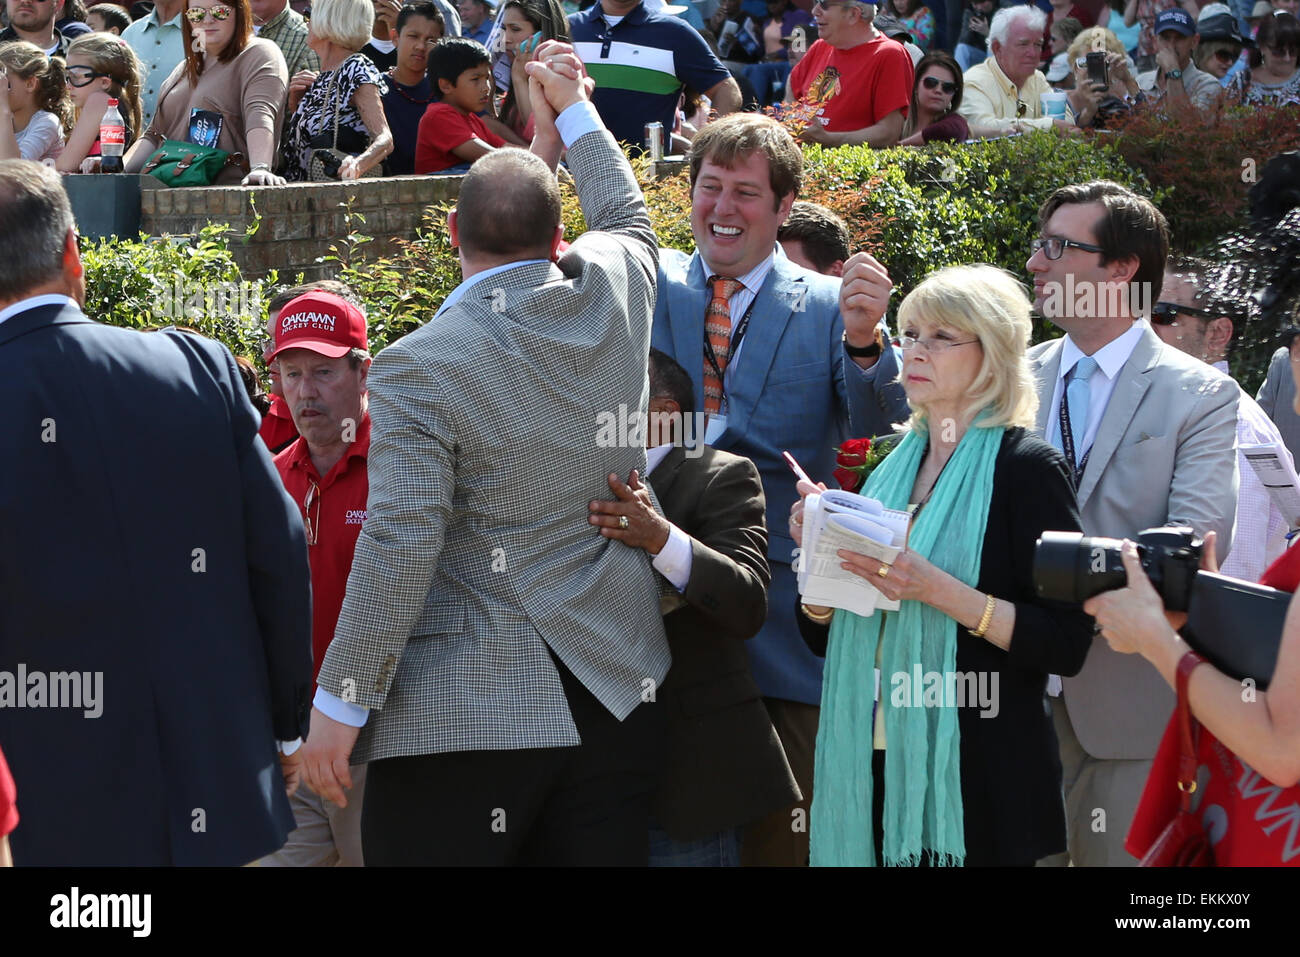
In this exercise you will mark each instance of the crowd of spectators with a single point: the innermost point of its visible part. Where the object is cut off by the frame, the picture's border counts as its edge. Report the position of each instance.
(359, 81)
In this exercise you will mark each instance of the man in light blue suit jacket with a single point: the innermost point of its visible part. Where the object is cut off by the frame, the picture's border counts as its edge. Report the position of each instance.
(791, 382)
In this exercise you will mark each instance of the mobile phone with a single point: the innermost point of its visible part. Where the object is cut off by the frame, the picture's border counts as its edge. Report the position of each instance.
(1098, 71)
(531, 44)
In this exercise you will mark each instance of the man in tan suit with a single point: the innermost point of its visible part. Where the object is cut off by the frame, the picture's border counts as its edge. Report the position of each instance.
(1150, 434)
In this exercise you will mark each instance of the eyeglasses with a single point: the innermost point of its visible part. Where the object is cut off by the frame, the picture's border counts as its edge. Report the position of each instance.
(1021, 108)
(827, 4)
(1226, 56)
(932, 345)
(1055, 246)
(1166, 313)
(313, 527)
(930, 82)
(79, 76)
(219, 12)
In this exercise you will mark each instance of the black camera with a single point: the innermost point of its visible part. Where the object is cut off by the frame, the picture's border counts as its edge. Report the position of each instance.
(1070, 567)
(1235, 625)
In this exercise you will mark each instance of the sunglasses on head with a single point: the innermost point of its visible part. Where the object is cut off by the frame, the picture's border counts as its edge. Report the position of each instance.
(1166, 313)
(79, 76)
(196, 15)
(930, 82)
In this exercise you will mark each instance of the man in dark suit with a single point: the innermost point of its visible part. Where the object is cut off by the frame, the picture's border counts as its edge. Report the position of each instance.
(155, 598)
(725, 766)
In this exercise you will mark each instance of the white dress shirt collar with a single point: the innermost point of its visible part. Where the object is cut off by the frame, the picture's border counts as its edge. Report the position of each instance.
(752, 280)
(1110, 357)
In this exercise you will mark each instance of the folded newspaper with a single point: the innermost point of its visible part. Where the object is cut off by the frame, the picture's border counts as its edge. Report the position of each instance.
(835, 520)
(1272, 463)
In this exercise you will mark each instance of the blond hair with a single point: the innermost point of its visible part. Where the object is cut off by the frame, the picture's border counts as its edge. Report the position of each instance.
(990, 304)
(109, 54)
(1093, 39)
(28, 61)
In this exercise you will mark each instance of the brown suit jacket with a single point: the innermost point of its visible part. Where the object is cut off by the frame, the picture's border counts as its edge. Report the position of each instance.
(725, 765)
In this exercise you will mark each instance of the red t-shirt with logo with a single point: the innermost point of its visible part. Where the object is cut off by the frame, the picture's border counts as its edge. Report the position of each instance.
(338, 508)
(442, 129)
(865, 83)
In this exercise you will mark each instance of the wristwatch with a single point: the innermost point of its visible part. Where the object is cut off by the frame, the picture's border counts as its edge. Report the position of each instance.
(1174, 75)
(865, 352)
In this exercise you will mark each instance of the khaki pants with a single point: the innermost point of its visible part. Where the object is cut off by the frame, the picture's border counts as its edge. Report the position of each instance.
(1101, 797)
(326, 834)
(781, 838)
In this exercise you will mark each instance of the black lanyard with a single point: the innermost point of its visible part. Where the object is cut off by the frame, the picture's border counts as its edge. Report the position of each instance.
(736, 337)
(1067, 440)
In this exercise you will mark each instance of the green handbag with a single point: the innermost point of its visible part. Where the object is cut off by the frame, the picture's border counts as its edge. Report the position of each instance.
(177, 163)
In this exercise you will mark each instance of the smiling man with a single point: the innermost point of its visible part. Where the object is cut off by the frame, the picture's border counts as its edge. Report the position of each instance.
(862, 79)
(783, 359)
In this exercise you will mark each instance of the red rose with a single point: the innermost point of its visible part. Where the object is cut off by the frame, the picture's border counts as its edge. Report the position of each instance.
(853, 452)
(848, 480)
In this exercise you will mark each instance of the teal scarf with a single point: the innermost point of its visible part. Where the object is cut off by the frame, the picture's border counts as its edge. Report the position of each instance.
(923, 808)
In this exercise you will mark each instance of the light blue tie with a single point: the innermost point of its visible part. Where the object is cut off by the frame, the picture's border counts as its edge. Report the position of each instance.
(1077, 394)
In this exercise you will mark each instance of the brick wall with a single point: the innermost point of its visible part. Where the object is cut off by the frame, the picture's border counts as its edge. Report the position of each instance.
(300, 220)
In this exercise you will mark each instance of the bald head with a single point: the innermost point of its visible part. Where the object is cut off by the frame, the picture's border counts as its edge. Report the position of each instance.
(509, 207)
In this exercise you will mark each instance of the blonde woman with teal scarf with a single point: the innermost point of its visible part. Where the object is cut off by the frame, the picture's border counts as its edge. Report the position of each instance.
(956, 762)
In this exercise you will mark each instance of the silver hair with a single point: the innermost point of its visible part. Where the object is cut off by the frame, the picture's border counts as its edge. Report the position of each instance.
(1005, 18)
(35, 218)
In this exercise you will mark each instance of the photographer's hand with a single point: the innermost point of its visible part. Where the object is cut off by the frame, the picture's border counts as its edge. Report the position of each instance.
(1133, 618)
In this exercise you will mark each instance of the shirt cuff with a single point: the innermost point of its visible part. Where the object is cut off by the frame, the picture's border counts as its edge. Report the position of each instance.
(344, 712)
(289, 747)
(577, 120)
(674, 559)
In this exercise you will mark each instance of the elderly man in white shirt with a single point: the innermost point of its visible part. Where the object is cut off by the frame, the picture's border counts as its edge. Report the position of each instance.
(1003, 93)
(1186, 318)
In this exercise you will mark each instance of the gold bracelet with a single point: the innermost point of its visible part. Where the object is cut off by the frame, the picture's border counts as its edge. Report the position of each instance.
(822, 619)
(986, 619)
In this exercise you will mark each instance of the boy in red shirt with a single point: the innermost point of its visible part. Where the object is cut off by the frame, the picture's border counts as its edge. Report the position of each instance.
(451, 134)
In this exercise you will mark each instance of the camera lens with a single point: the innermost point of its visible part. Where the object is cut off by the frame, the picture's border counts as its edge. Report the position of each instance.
(1070, 567)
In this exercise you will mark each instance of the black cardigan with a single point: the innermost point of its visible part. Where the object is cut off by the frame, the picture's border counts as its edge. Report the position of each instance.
(1010, 767)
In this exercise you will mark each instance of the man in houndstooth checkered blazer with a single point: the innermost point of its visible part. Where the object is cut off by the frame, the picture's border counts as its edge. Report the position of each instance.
(496, 659)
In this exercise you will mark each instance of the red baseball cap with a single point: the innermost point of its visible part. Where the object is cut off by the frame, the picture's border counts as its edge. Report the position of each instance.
(322, 322)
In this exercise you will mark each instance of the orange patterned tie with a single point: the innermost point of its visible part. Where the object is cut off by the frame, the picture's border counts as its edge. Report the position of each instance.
(717, 326)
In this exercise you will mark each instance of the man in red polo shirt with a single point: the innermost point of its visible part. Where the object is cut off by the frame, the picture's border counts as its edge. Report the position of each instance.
(862, 79)
(321, 350)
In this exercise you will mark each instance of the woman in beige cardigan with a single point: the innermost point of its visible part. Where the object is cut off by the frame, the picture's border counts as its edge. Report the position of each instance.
(229, 72)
